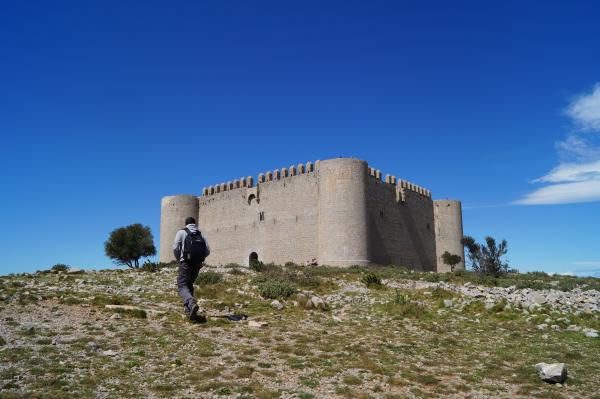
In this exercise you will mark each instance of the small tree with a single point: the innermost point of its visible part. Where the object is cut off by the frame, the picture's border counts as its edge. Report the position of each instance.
(486, 259)
(126, 245)
(451, 260)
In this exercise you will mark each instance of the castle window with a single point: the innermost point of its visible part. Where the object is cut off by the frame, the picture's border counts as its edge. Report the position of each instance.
(428, 226)
(381, 213)
(252, 199)
(261, 216)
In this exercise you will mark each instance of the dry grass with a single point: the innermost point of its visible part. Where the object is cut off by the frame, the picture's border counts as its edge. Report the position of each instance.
(371, 343)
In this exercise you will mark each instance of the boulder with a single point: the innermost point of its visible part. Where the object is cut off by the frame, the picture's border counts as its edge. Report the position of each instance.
(75, 271)
(277, 305)
(552, 372)
(590, 333)
(257, 324)
(315, 302)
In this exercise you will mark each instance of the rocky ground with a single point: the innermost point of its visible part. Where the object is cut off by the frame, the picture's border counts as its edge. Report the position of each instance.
(120, 334)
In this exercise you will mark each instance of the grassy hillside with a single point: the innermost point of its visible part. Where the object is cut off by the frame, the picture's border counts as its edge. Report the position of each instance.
(384, 333)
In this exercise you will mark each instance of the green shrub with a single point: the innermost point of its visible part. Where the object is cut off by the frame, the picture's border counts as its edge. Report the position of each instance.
(136, 313)
(272, 289)
(306, 280)
(295, 275)
(235, 271)
(101, 300)
(209, 277)
(433, 277)
(371, 280)
(405, 308)
(440, 293)
(256, 265)
(59, 267)
(71, 300)
(151, 267)
(400, 298)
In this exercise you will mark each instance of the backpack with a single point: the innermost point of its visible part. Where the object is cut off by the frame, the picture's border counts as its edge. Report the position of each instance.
(194, 248)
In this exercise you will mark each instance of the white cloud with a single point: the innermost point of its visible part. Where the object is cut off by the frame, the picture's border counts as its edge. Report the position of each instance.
(585, 110)
(572, 172)
(577, 177)
(581, 149)
(565, 193)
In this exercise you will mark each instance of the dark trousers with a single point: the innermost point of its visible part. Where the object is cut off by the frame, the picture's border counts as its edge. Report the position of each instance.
(188, 271)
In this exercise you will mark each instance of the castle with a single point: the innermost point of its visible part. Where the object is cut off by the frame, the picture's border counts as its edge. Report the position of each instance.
(337, 212)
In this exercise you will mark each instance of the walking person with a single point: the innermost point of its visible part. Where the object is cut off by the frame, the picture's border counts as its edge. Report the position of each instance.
(190, 249)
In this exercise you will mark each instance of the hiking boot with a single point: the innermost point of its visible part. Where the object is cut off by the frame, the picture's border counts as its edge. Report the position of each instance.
(196, 315)
(193, 311)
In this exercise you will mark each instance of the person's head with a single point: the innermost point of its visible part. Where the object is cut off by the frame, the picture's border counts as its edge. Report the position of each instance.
(190, 220)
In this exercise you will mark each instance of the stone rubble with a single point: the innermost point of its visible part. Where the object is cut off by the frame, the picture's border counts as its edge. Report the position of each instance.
(577, 300)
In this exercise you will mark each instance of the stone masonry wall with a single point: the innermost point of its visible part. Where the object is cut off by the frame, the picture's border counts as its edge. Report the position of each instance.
(279, 224)
(401, 226)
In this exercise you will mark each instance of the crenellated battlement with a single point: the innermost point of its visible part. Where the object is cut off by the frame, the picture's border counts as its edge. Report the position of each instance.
(406, 185)
(277, 174)
(400, 184)
(309, 167)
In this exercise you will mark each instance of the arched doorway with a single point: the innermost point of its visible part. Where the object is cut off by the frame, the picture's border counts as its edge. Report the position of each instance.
(253, 258)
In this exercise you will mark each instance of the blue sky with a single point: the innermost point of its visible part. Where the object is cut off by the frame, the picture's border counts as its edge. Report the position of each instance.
(106, 106)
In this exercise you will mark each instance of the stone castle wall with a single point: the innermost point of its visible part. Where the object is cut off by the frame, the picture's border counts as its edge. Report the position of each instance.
(277, 220)
(401, 226)
(337, 212)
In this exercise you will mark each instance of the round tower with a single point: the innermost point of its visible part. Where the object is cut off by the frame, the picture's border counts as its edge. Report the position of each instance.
(173, 212)
(448, 232)
(343, 218)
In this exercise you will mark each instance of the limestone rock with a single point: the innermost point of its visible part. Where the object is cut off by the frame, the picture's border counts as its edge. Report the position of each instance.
(75, 271)
(316, 302)
(590, 333)
(257, 324)
(92, 345)
(277, 305)
(553, 372)
(448, 303)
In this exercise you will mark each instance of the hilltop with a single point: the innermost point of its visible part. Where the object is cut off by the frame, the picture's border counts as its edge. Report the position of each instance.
(312, 332)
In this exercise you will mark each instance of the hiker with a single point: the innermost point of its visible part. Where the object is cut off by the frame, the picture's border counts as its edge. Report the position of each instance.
(190, 249)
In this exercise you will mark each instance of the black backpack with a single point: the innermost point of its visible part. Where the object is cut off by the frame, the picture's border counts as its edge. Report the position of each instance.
(194, 248)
